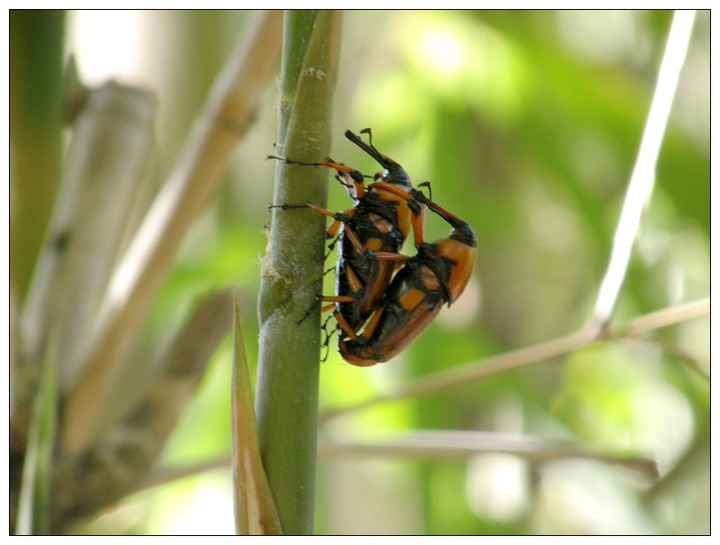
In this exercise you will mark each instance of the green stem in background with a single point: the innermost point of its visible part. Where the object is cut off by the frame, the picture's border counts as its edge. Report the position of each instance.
(34, 501)
(289, 353)
(36, 64)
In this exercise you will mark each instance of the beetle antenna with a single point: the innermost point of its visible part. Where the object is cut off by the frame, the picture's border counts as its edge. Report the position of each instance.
(368, 131)
(368, 147)
(427, 184)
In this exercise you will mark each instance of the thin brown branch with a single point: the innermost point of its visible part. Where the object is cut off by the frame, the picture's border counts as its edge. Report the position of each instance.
(464, 444)
(516, 359)
(427, 444)
(667, 316)
(452, 378)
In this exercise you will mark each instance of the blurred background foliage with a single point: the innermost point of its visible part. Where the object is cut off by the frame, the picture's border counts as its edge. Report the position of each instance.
(527, 124)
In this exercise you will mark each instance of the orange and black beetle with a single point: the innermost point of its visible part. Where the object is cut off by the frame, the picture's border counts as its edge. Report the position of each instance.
(437, 274)
(379, 314)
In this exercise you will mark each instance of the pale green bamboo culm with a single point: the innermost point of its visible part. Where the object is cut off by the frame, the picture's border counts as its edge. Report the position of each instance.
(289, 353)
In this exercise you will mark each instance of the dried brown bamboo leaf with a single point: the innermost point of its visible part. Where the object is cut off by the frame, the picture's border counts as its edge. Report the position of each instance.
(255, 510)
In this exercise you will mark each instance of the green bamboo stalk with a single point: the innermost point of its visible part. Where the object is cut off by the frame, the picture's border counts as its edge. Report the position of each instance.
(289, 353)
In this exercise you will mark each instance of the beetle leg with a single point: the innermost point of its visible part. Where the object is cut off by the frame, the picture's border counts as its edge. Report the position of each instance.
(450, 218)
(342, 324)
(326, 345)
(336, 299)
(338, 219)
(287, 206)
(327, 299)
(379, 256)
(354, 240)
(372, 323)
(333, 229)
(308, 312)
(320, 210)
(389, 256)
(331, 247)
(418, 223)
(328, 336)
(353, 280)
(357, 177)
(416, 204)
(403, 194)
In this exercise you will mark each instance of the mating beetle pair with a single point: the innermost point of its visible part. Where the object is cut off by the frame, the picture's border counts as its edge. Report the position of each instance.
(379, 313)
